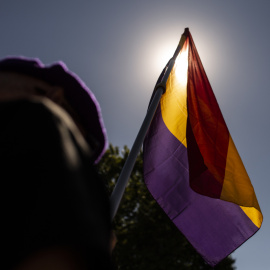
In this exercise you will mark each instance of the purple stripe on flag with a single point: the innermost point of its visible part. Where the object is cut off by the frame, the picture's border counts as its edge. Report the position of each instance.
(167, 178)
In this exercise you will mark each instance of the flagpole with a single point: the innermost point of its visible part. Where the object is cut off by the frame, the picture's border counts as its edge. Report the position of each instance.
(120, 186)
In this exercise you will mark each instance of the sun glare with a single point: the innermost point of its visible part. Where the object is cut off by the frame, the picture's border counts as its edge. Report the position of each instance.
(181, 66)
(162, 54)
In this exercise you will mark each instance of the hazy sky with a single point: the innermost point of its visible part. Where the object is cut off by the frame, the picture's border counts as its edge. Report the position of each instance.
(119, 48)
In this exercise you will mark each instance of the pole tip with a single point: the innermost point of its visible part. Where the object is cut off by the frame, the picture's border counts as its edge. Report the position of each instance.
(186, 31)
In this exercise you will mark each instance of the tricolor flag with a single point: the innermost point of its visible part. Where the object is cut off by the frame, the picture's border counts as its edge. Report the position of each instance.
(192, 167)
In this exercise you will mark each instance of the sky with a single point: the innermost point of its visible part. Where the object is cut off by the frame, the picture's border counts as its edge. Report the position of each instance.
(118, 48)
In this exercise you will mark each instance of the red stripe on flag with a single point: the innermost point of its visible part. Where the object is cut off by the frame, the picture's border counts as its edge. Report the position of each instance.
(207, 133)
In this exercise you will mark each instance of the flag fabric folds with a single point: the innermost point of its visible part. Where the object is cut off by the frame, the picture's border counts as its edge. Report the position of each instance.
(192, 167)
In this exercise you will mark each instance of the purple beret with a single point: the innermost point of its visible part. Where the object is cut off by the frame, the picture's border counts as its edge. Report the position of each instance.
(79, 96)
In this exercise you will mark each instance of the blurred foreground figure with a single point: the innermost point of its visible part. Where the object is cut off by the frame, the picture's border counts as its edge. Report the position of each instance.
(55, 210)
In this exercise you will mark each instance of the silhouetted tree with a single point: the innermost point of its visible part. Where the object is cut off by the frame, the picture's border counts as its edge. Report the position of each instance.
(146, 238)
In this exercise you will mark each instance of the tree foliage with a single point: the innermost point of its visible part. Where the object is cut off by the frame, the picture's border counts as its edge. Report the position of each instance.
(146, 238)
